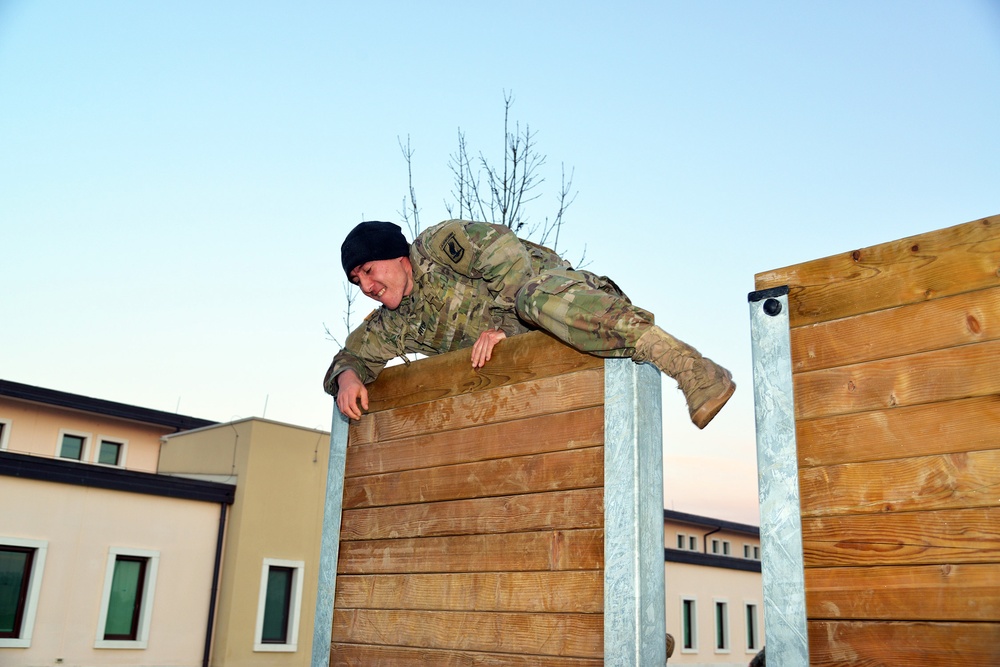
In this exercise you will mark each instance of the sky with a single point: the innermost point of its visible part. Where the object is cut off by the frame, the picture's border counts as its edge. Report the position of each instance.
(176, 177)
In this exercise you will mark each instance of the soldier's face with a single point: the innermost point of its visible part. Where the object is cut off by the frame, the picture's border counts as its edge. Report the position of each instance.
(385, 280)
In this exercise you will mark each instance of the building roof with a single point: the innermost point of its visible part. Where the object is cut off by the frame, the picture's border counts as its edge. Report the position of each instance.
(708, 522)
(62, 399)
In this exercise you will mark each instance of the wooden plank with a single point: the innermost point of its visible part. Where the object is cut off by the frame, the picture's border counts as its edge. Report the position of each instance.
(579, 635)
(911, 538)
(948, 481)
(936, 428)
(929, 377)
(968, 592)
(355, 655)
(555, 471)
(567, 591)
(558, 510)
(918, 268)
(547, 433)
(932, 325)
(516, 359)
(545, 395)
(889, 644)
(511, 552)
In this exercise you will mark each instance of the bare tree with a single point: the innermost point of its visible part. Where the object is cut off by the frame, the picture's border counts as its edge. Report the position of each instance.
(410, 212)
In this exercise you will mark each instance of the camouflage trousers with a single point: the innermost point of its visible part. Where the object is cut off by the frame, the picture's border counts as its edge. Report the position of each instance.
(587, 312)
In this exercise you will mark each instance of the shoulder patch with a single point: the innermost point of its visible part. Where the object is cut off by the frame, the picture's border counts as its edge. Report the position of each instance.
(453, 248)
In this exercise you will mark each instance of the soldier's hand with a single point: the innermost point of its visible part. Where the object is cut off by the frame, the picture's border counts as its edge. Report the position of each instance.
(350, 389)
(482, 350)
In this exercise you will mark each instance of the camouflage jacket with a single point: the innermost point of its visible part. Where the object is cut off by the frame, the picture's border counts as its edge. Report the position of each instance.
(466, 276)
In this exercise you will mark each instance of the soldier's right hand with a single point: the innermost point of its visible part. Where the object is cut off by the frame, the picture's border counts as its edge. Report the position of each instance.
(350, 389)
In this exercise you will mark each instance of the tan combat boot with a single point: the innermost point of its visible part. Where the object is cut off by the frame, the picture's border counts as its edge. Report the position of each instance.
(706, 385)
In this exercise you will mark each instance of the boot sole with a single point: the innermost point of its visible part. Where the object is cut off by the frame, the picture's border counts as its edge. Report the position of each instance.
(707, 412)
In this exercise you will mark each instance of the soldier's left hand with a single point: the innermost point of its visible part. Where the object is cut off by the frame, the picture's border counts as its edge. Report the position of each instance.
(482, 350)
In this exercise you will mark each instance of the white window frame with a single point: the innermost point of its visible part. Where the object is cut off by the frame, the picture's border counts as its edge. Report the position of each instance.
(747, 605)
(756, 552)
(84, 454)
(5, 433)
(747, 553)
(121, 454)
(148, 595)
(295, 606)
(726, 548)
(694, 624)
(34, 589)
(715, 546)
(681, 541)
(726, 639)
(693, 542)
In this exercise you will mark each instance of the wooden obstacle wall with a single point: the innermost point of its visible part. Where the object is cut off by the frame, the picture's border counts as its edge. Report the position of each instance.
(896, 372)
(473, 521)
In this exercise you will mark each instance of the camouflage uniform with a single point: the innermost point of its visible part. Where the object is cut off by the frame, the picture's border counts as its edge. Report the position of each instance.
(472, 276)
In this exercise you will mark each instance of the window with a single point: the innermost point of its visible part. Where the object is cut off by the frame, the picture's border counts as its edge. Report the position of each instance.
(721, 626)
(111, 452)
(715, 546)
(73, 446)
(693, 542)
(725, 548)
(753, 636)
(756, 553)
(21, 565)
(4, 432)
(746, 551)
(127, 601)
(278, 605)
(681, 541)
(689, 625)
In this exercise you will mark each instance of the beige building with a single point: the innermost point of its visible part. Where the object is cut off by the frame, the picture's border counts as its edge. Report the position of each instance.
(714, 593)
(146, 538)
(102, 562)
(270, 568)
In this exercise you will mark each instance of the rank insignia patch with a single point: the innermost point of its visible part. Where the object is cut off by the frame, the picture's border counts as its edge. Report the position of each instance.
(453, 248)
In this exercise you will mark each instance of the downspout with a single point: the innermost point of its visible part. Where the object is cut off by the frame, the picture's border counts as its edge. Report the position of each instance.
(215, 585)
(704, 540)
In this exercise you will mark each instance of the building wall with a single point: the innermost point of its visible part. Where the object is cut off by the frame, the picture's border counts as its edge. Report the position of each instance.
(80, 525)
(277, 514)
(34, 428)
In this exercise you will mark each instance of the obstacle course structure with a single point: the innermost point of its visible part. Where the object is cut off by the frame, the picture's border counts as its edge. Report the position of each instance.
(877, 380)
(511, 515)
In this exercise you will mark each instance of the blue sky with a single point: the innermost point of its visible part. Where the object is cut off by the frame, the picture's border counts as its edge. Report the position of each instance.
(176, 177)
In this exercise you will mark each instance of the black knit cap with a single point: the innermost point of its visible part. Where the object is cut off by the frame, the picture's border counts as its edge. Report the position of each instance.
(372, 241)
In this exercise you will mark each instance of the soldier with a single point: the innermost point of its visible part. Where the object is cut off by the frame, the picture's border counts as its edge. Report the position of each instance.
(471, 284)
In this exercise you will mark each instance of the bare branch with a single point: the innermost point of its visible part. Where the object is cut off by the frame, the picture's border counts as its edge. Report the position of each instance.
(409, 208)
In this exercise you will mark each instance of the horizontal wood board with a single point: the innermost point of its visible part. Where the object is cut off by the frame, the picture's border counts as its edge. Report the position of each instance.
(472, 525)
(896, 372)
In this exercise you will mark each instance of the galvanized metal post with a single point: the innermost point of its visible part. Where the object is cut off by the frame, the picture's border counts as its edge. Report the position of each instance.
(634, 597)
(778, 481)
(330, 542)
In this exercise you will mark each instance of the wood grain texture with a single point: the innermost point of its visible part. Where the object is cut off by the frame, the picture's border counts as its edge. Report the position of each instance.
(962, 319)
(539, 592)
(354, 655)
(888, 644)
(547, 433)
(918, 268)
(967, 592)
(577, 635)
(929, 377)
(948, 481)
(559, 510)
(547, 395)
(921, 430)
(910, 538)
(507, 552)
(516, 359)
(554, 471)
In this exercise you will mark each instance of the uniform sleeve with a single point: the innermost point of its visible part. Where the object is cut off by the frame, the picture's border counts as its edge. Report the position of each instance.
(479, 250)
(366, 351)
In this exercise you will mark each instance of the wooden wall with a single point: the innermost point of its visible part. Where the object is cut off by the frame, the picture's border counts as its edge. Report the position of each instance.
(896, 372)
(472, 529)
